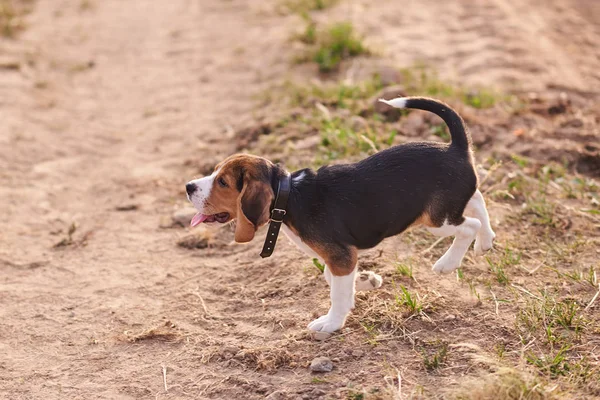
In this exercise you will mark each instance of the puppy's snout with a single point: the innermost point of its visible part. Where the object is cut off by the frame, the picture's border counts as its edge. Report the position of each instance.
(190, 188)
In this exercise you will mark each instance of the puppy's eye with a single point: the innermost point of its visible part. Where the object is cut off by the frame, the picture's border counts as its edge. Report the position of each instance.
(222, 182)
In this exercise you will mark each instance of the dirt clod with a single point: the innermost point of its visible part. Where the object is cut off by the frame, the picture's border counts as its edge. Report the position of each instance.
(250, 134)
(183, 216)
(321, 364)
(194, 241)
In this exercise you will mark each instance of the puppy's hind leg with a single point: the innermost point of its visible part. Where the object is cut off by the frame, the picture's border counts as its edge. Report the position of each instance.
(464, 233)
(485, 237)
(365, 280)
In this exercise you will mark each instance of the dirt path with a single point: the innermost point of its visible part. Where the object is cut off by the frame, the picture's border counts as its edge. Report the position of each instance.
(115, 104)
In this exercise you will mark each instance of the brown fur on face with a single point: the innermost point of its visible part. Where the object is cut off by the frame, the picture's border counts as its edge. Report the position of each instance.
(247, 195)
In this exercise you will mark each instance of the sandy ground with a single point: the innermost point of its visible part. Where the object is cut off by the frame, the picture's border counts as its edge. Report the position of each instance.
(107, 108)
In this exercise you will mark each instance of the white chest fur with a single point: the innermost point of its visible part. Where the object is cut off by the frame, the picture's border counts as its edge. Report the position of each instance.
(298, 242)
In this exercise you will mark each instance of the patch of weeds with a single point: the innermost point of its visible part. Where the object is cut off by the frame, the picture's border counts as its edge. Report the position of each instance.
(481, 98)
(441, 131)
(541, 210)
(11, 16)
(305, 6)
(565, 252)
(320, 267)
(498, 270)
(551, 364)
(405, 269)
(352, 395)
(339, 95)
(498, 264)
(412, 301)
(592, 277)
(371, 330)
(435, 360)
(520, 161)
(545, 317)
(472, 289)
(500, 350)
(338, 140)
(317, 380)
(566, 314)
(424, 81)
(331, 45)
(309, 35)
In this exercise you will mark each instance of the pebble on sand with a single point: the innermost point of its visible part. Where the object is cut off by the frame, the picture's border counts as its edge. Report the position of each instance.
(321, 364)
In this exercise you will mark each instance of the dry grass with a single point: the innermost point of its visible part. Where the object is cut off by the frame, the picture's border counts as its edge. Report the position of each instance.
(11, 16)
(166, 332)
(504, 384)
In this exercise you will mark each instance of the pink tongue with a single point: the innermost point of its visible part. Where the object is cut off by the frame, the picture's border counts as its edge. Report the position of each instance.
(198, 219)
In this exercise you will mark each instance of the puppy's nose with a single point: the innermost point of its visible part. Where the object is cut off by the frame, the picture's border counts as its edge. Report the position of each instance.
(190, 188)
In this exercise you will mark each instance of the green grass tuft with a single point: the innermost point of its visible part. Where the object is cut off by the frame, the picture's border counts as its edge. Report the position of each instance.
(405, 269)
(437, 359)
(412, 301)
(330, 46)
(305, 6)
(320, 267)
(421, 80)
(337, 43)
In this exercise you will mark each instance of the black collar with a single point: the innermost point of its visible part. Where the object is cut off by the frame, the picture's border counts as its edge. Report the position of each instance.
(277, 214)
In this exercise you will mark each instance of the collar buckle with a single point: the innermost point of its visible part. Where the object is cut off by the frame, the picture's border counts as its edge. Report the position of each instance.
(277, 215)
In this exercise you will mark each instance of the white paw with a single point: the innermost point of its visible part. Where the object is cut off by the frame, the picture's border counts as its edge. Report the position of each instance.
(368, 280)
(446, 264)
(327, 323)
(484, 243)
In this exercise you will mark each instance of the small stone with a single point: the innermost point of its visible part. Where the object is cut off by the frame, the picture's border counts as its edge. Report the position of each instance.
(229, 352)
(358, 124)
(183, 216)
(450, 317)
(358, 353)
(389, 75)
(320, 335)
(321, 364)
(277, 395)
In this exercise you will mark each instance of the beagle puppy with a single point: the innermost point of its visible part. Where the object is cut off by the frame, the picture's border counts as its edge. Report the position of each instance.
(334, 212)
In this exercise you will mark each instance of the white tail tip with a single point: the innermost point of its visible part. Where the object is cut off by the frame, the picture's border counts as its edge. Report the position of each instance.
(399, 102)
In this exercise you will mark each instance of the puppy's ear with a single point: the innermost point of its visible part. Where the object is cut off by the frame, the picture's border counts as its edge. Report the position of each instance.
(253, 209)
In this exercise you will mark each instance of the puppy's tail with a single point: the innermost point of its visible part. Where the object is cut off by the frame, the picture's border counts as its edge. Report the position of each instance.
(460, 138)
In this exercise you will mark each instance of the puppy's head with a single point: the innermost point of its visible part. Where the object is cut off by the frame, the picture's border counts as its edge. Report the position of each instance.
(239, 188)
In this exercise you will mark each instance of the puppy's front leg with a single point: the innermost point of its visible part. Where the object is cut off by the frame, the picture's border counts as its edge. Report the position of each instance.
(342, 265)
(342, 302)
